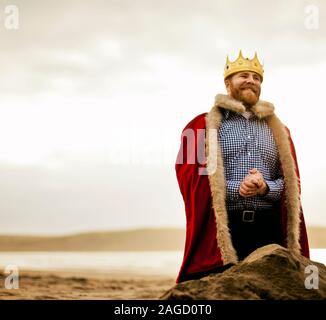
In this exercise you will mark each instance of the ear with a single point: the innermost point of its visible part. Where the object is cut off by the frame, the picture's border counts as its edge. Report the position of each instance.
(227, 84)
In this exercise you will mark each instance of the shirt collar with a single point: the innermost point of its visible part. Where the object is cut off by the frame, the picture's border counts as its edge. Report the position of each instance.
(247, 114)
(227, 114)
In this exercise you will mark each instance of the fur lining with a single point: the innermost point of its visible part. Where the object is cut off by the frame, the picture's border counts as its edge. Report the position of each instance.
(215, 167)
(291, 182)
(261, 109)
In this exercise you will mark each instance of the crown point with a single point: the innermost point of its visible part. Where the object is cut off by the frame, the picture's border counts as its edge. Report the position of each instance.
(241, 64)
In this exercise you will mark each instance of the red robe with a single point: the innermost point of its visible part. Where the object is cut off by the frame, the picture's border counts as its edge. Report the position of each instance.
(208, 242)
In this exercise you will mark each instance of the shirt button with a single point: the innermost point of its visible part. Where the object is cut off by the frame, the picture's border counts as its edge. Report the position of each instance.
(249, 137)
(249, 154)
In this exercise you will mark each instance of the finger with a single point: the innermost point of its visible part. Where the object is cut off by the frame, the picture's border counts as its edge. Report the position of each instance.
(257, 183)
(254, 180)
(246, 193)
(246, 196)
(250, 194)
(244, 188)
(249, 185)
(257, 178)
(242, 192)
(250, 178)
(255, 175)
(248, 189)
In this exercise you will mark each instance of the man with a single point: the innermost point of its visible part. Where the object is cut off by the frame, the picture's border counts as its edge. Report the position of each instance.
(238, 175)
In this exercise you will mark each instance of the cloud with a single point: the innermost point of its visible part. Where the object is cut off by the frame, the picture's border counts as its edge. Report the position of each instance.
(72, 46)
(78, 75)
(80, 197)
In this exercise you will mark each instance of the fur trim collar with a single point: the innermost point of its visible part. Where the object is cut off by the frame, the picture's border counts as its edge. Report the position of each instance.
(215, 168)
(261, 109)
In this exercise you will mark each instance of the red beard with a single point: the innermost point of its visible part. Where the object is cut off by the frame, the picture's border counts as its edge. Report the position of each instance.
(248, 94)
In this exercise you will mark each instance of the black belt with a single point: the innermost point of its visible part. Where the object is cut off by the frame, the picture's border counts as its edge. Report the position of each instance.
(248, 215)
(251, 215)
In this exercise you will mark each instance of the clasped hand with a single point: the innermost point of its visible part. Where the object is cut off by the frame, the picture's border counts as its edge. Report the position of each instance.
(253, 184)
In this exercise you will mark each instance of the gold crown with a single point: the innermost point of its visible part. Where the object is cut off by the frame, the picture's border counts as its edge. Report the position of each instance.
(243, 64)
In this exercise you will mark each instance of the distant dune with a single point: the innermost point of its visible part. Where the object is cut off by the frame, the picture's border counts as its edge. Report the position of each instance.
(131, 240)
(317, 237)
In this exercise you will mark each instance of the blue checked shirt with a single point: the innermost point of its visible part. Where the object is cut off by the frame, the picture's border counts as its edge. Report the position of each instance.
(247, 144)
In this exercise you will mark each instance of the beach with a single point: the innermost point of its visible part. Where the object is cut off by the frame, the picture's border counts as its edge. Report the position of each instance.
(85, 285)
(111, 265)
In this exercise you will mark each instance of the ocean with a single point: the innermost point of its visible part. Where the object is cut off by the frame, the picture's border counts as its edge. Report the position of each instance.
(139, 262)
(165, 263)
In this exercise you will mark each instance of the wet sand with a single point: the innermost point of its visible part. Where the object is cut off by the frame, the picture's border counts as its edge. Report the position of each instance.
(48, 285)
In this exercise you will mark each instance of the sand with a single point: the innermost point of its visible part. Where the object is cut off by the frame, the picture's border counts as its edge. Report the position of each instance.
(86, 285)
(90, 285)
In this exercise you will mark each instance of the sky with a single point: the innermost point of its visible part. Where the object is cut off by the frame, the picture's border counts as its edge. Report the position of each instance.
(94, 97)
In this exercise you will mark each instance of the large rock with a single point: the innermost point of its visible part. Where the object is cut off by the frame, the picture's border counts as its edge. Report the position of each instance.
(270, 272)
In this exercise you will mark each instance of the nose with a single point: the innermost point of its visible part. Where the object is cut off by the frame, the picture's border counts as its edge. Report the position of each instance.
(250, 79)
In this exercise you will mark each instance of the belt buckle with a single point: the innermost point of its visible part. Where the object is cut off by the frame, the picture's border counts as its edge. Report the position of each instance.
(248, 216)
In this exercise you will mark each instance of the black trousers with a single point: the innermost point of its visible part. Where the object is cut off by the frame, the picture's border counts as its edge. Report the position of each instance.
(253, 229)
(264, 228)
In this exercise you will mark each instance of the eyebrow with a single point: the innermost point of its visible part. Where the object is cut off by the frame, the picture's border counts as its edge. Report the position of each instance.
(247, 73)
